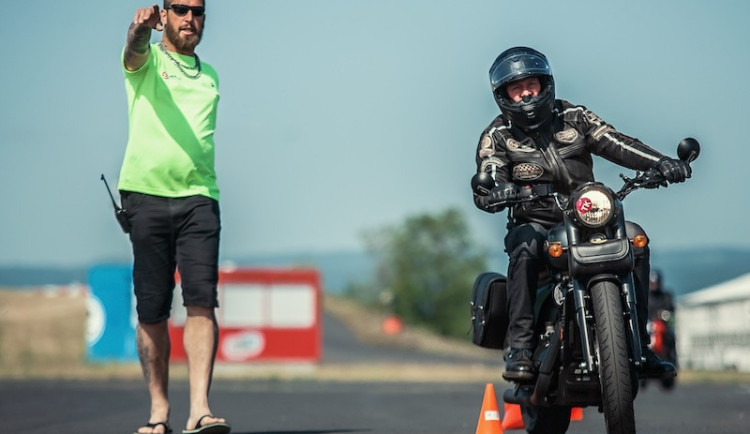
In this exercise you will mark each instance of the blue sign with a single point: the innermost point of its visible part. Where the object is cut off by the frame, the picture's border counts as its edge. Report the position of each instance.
(111, 321)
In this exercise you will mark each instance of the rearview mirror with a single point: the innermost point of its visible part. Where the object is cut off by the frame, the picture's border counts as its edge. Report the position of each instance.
(688, 149)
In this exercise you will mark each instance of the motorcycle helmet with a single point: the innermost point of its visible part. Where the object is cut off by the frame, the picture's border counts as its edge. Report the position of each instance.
(654, 280)
(518, 63)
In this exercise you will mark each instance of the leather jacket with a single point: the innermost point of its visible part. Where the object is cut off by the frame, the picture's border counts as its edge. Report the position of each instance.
(559, 153)
(659, 300)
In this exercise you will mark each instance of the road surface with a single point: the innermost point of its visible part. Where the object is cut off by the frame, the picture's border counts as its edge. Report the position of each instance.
(305, 406)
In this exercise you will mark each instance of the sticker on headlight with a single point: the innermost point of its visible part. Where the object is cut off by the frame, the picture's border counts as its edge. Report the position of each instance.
(584, 205)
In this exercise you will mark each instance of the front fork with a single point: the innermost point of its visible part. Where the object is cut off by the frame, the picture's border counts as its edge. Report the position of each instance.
(579, 293)
(628, 287)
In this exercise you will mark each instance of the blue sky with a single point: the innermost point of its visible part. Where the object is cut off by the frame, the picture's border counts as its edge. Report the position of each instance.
(341, 116)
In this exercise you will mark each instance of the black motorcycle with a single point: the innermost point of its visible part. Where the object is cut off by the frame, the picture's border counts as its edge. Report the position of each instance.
(663, 344)
(589, 348)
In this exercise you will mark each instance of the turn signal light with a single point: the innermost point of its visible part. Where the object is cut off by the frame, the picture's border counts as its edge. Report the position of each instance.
(640, 240)
(555, 250)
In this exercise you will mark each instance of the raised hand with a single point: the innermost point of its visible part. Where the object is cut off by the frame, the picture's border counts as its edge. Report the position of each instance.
(149, 17)
(137, 46)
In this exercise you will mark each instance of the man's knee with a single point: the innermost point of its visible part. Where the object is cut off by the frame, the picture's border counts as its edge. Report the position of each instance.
(153, 312)
(526, 239)
(202, 311)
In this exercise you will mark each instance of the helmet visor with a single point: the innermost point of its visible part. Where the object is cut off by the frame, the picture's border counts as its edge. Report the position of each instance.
(517, 67)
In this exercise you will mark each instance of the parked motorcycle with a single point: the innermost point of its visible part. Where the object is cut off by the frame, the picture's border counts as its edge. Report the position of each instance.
(663, 343)
(589, 347)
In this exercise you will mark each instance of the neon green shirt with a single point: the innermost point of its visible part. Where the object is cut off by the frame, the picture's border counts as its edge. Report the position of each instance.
(170, 150)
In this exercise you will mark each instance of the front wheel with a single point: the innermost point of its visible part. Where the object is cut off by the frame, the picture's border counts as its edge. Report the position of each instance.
(545, 420)
(612, 352)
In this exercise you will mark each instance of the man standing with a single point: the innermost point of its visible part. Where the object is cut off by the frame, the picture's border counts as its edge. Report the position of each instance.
(168, 187)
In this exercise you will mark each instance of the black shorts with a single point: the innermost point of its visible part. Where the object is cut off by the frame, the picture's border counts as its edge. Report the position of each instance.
(169, 234)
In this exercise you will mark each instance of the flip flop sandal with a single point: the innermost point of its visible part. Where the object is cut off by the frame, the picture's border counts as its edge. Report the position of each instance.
(211, 428)
(167, 429)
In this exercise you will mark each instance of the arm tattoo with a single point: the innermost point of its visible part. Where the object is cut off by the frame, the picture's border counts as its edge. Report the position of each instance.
(137, 43)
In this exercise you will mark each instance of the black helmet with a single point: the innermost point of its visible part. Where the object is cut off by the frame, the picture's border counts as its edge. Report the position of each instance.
(654, 280)
(515, 64)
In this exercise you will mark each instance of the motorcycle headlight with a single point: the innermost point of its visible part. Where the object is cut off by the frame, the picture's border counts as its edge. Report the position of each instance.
(665, 315)
(594, 206)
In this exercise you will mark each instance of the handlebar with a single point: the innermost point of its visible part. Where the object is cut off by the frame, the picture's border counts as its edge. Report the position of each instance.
(651, 178)
(482, 183)
(528, 193)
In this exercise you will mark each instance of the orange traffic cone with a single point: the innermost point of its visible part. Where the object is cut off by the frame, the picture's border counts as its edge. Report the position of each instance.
(489, 417)
(392, 325)
(576, 413)
(512, 418)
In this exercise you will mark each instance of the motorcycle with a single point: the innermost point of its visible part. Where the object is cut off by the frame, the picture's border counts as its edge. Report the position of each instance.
(663, 343)
(589, 347)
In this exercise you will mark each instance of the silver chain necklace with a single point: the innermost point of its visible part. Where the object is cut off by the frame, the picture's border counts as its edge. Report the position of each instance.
(179, 64)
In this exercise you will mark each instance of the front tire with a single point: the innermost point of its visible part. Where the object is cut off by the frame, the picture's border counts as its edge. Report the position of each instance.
(612, 352)
(545, 420)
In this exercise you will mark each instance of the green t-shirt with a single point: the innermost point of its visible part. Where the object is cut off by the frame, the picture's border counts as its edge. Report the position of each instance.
(170, 150)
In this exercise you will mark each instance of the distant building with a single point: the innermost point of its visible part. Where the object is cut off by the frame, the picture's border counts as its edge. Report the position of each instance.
(713, 327)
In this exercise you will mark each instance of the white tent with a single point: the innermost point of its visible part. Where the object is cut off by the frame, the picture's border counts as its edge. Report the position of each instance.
(735, 289)
(713, 327)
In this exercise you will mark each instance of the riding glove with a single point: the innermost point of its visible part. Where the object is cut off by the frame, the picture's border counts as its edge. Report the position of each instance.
(495, 201)
(674, 170)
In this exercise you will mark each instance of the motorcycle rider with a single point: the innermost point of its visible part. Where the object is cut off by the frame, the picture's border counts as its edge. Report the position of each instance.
(545, 142)
(658, 298)
(659, 303)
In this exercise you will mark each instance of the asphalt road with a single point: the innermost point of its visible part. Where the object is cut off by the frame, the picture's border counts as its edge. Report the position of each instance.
(340, 346)
(304, 407)
(318, 407)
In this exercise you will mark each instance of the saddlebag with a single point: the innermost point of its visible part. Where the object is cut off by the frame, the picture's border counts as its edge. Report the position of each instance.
(489, 310)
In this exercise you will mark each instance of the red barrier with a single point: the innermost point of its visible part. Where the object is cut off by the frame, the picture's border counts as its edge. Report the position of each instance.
(263, 315)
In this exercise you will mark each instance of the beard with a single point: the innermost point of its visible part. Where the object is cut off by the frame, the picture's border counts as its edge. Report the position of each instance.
(183, 43)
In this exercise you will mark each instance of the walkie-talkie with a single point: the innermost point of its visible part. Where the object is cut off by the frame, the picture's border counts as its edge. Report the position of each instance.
(120, 213)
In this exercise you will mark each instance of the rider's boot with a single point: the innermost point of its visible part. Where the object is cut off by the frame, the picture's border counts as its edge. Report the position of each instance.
(654, 367)
(518, 365)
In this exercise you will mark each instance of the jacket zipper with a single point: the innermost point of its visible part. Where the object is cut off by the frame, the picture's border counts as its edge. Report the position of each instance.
(553, 158)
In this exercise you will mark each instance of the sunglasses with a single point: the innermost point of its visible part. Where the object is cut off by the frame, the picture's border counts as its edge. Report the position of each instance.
(182, 10)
